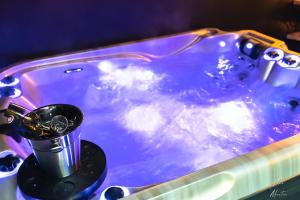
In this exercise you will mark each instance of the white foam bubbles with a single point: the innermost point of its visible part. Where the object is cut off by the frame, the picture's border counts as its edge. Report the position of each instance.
(130, 77)
(144, 118)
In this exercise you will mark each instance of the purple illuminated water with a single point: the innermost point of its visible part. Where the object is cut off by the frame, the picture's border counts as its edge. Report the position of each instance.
(159, 129)
(164, 117)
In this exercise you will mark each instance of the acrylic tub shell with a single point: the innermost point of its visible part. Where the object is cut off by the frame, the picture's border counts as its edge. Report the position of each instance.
(233, 178)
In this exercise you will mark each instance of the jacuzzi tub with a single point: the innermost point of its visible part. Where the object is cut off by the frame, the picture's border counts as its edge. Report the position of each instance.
(200, 115)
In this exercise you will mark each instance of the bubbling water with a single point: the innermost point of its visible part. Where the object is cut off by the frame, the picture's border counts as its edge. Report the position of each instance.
(184, 120)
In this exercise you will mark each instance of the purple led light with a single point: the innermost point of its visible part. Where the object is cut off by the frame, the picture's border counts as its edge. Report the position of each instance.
(249, 45)
(222, 43)
(68, 71)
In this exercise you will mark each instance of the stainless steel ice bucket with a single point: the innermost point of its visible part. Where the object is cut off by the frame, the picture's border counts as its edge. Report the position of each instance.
(58, 153)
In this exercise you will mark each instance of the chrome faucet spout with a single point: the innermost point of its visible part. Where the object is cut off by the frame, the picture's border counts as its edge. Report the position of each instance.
(17, 111)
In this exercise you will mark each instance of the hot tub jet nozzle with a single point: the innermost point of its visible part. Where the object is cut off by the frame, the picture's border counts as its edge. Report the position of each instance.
(118, 192)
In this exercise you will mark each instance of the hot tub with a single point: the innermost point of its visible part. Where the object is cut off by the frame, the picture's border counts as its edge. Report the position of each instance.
(200, 115)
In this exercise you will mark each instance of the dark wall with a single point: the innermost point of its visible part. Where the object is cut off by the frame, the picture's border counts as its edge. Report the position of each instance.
(30, 29)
